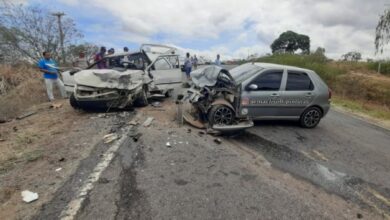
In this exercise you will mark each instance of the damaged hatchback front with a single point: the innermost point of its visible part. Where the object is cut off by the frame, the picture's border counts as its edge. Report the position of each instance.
(110, 88)
(213, 101)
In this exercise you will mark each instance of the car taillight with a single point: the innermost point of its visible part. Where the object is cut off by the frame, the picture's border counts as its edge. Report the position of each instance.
(245, 101)
(330, 93)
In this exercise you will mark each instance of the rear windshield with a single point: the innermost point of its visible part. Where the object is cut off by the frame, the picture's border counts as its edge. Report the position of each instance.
(243, 72)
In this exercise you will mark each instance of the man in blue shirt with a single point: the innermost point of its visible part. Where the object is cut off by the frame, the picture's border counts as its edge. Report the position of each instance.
(50, 74)
(187, 65)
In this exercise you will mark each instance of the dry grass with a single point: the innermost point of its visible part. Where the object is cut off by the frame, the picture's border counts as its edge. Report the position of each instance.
(20, 88)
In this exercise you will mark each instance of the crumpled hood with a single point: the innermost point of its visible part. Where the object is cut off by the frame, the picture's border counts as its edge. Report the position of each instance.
(107, 78)
(207, 76)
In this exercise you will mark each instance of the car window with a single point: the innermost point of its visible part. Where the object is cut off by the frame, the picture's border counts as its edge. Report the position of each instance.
(162, 64)
(298, 81)
(174, 60)
(268, 81)
(243, 72)
(137, 60)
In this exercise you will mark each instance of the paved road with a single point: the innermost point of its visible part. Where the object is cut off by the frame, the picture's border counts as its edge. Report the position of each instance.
(275, 170)
(346, 144)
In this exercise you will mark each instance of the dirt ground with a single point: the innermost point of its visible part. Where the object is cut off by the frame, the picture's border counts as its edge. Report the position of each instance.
(39, 152)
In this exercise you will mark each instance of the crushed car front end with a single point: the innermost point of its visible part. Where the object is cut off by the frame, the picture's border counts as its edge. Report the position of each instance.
(99, 89)
(213, 101)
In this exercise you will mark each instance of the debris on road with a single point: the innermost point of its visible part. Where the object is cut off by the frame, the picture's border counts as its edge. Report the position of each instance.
(25, 115)
(217, 140)
(108, 138)
(320, 155)
(201, 133)
(133, 122)
(135, 136)
(56, 106)
(58, 169)
(156, 104)
(29, 196)
(148, 122)
(168, 144)
(62, 159)
(103, 180)
(189, 130)
(1, 139)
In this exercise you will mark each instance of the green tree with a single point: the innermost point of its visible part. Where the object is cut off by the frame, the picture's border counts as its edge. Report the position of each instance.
(352, 56)
(30, 30)
(290, 42)
(382, 36)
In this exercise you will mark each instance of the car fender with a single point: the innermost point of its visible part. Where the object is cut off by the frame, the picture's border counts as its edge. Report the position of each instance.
(223, 102)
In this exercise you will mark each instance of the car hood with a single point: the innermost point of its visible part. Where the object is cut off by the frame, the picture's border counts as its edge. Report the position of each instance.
(208, 76)
(129, 79)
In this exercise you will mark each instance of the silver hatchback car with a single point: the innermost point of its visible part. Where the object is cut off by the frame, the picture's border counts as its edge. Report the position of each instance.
(271, 91)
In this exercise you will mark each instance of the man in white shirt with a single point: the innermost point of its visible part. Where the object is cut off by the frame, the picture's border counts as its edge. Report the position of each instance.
(218, 61)
(81, 61)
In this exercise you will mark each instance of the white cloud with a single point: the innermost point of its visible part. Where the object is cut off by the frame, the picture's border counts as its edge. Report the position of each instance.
(233, 26)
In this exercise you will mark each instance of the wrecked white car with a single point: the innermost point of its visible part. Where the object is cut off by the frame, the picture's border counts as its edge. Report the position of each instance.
(214, 100)
(129, 78)
(107, 89)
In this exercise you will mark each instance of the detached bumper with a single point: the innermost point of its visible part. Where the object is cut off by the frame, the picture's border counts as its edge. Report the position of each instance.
(236, 127)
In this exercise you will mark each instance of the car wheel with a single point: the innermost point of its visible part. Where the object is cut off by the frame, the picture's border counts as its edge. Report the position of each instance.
(73, 102)
(168, 94)
(221, 115)
(142, 101)
(311, 117)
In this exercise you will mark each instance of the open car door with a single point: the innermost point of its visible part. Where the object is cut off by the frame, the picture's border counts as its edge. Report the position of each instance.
(166, 70)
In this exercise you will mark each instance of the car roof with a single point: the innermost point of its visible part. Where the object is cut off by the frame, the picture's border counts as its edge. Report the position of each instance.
(279, 66)
(121, 54)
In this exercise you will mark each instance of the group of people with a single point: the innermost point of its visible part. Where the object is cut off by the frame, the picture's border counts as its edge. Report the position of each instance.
(190, 62)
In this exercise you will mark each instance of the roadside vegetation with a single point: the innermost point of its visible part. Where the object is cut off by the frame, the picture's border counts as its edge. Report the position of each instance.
(21, 87)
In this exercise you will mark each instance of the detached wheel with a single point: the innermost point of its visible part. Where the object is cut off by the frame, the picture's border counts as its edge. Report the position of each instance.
(142, 101)
(221, 115)
(73, 102)
(310, 117)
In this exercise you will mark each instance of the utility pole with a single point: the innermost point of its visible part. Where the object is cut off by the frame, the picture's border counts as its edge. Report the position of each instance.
(59, 15)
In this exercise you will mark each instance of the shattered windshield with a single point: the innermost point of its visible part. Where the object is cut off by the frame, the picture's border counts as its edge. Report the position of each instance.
(244, 72)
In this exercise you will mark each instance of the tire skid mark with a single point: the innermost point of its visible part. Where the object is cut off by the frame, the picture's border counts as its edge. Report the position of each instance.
(304, 165)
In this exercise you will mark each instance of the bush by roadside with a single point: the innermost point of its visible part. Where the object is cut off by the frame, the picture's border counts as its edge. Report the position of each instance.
(20, 87)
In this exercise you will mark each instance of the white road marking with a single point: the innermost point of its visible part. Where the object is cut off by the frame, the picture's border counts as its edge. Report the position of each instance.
(74, 206)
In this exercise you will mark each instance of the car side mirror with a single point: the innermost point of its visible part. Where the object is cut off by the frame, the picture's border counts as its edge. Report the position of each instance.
(253, 87)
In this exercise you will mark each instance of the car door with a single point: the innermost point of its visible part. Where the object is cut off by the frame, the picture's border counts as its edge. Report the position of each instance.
(166, 70)
(299, 93)
(261, 94)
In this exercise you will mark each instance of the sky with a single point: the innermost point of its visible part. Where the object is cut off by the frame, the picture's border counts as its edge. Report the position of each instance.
(231, 28)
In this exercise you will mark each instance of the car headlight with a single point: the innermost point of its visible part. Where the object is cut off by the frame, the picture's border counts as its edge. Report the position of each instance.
(244, 111)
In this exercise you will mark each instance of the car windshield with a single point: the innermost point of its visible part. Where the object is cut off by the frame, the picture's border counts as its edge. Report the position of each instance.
(115, 62)
(244, 71)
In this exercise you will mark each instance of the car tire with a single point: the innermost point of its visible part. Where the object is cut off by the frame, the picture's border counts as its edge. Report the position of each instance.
(221, 115)
(311, 117)
(73, 102)
(142, 101)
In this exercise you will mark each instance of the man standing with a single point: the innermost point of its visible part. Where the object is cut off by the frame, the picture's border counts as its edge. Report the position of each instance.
(81, 61)
(218, 61)
(99, 58)
(50, 74)
(187, 65)
(195, 62)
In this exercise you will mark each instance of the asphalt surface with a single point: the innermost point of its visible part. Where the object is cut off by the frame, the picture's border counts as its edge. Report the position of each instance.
(275, 170)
